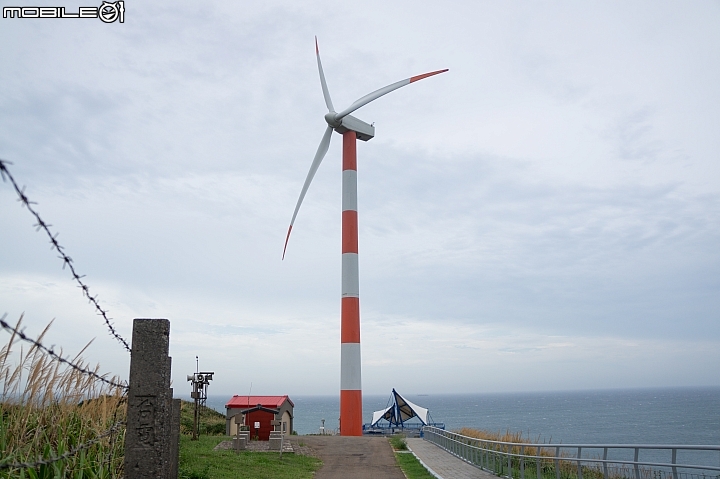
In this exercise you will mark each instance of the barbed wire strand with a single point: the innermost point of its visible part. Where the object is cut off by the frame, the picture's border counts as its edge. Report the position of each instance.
(67, 261)
(50, 351)
(71, 452)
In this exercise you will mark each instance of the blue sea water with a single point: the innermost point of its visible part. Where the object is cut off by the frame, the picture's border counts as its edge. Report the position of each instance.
(638, 416)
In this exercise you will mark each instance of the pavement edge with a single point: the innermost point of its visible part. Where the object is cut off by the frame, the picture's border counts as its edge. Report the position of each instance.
(435, 474)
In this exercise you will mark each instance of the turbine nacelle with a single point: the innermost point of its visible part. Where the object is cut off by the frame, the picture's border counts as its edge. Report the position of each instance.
(364, 131)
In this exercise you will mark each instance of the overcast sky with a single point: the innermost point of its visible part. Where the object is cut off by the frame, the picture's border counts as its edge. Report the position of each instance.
(544, 216)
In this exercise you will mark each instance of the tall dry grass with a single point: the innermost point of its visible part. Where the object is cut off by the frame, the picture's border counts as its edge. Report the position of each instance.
(534, 467)
(48, 408)
(513, 437)
(548, 467)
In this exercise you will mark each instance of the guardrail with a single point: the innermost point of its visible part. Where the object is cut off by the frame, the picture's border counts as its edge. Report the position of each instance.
(388, 429)
(581, 461)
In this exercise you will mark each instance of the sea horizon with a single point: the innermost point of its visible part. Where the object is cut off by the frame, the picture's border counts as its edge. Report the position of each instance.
(653, 415)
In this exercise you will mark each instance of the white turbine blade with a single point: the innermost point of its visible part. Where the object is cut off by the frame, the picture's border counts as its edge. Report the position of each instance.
(384, 91)
(326, 93)
(322, 149)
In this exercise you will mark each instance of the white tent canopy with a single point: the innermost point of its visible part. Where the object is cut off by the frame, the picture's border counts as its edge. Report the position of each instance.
(399, 411)
(386, 414)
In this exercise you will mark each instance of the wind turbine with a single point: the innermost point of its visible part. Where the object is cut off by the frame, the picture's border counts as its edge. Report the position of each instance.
(352, 129)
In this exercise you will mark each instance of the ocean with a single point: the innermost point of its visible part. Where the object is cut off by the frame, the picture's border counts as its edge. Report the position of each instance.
(688, 416)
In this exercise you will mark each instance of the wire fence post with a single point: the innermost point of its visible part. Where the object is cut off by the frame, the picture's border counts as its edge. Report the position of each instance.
(150, 407)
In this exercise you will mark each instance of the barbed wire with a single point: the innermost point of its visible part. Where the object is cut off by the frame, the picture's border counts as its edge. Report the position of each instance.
(41, 462)
(67, 261)
(51, 351)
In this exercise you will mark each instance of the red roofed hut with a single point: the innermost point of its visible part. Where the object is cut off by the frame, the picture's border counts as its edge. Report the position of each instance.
(257, 412)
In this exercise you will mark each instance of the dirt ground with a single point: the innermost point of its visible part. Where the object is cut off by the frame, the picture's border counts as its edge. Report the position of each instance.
(363, 457)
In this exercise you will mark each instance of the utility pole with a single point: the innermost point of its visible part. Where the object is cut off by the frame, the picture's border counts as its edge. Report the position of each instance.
(200, 381)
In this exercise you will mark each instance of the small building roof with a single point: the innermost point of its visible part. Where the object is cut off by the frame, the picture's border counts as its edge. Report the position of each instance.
(245, 402)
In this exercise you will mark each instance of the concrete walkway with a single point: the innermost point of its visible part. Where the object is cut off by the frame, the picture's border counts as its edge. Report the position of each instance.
(364, 457)
(442, 464)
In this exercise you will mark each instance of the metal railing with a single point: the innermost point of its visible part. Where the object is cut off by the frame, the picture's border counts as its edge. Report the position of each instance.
(402, 428)
(581, 461)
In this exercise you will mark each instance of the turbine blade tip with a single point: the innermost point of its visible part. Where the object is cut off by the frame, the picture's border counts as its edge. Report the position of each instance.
(286, 241)
(425, 75)
(317, 49)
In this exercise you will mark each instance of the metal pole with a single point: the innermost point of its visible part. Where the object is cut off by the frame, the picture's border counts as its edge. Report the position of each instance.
(605, 466)
(195, 394)
(196, 419)
(538, 463)
(636, 466)
(557, 462)
(579, 463)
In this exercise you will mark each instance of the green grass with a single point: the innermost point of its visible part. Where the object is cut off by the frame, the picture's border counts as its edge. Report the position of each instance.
(398, 442)
(212, 423)
(198, 460)
(412, 467)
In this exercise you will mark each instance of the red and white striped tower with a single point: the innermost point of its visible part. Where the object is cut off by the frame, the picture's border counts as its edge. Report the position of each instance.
(350, 366)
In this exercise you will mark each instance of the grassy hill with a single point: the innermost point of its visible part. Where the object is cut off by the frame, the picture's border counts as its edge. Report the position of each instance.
(212, 423)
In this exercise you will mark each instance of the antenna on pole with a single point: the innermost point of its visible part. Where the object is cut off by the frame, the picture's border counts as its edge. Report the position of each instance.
(200, 381)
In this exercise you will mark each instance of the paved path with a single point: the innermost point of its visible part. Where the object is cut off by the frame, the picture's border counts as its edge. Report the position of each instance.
(364, 457)
(443, 464)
